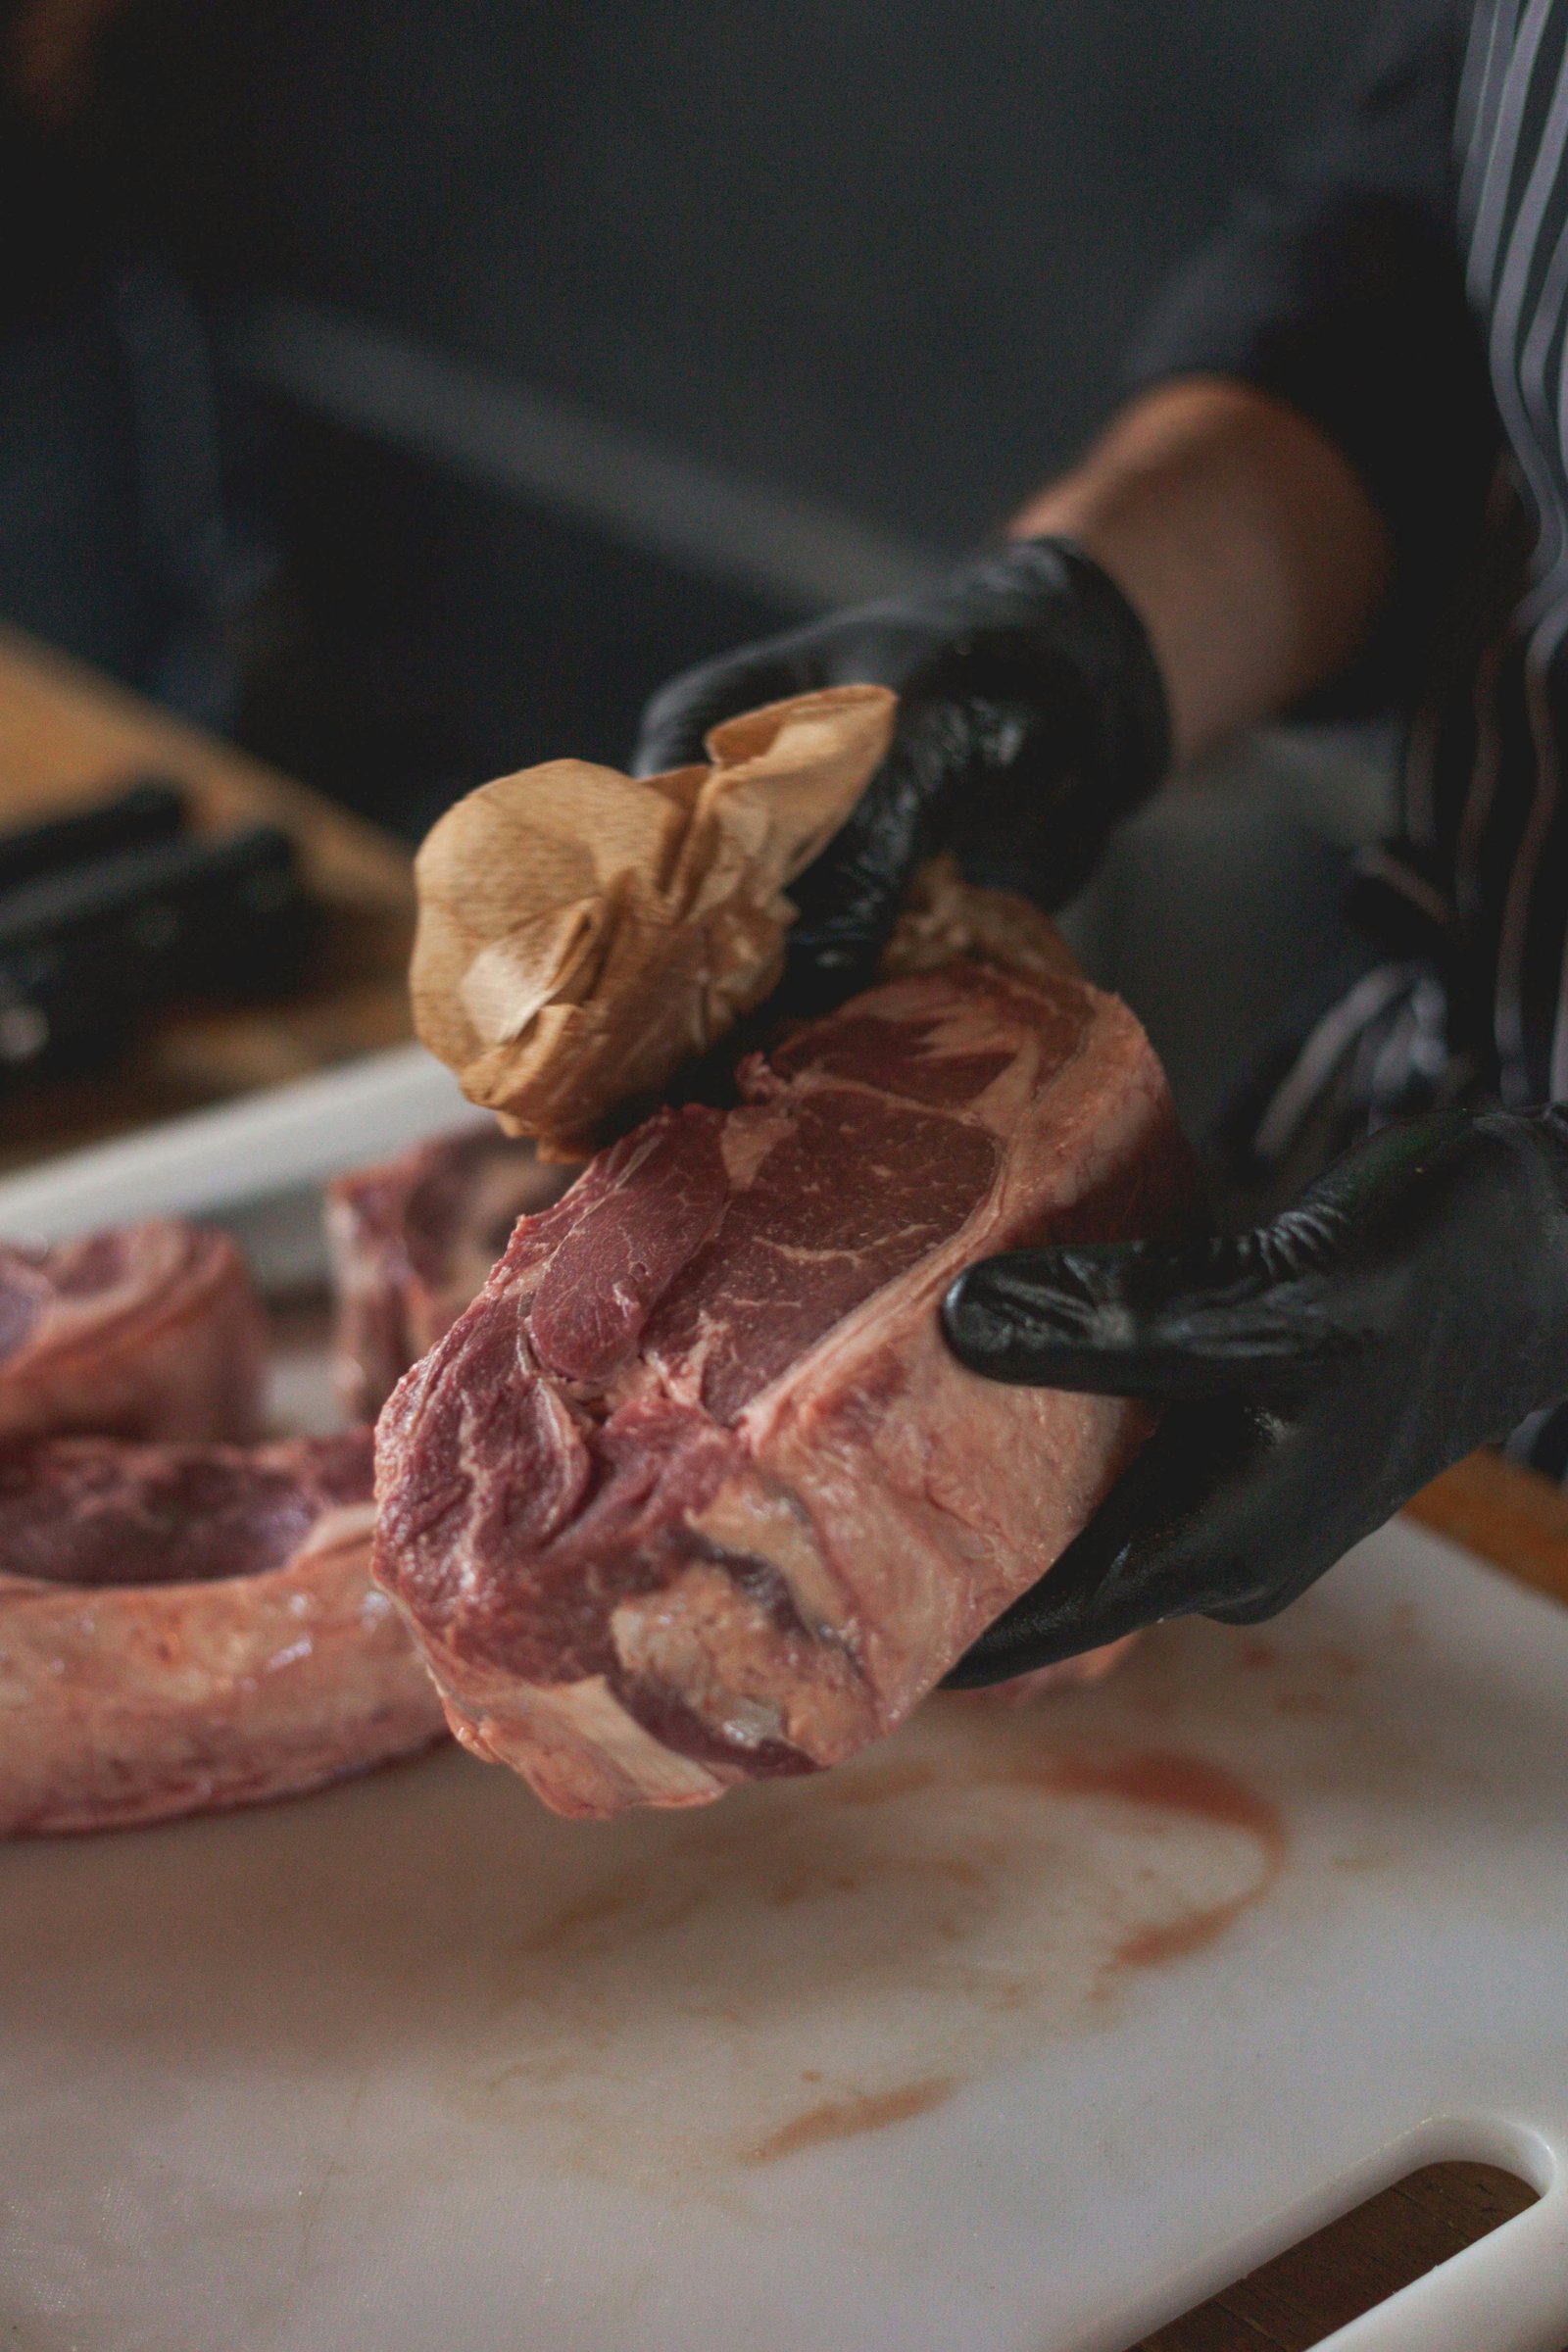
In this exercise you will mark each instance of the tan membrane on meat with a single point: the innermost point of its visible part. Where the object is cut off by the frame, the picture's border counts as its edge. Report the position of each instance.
(583, 933)
(751, 1521)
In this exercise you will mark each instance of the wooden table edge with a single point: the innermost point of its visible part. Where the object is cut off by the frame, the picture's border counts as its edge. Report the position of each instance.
(1512, 1518)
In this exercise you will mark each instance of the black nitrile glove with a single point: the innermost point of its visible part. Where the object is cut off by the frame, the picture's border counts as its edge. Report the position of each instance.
(1411, 1305)
(1030, 719)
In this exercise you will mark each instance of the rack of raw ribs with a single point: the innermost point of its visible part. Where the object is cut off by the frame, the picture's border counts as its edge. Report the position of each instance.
(677, 1487)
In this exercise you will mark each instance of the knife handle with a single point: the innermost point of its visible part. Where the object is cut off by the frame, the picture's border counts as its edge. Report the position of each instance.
(87, 953)
(148, 810)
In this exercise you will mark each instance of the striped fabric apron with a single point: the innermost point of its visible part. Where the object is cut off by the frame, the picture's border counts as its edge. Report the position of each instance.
(1461, 994)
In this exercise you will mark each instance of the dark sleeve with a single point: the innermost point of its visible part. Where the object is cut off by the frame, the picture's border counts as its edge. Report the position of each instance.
(1339, 288)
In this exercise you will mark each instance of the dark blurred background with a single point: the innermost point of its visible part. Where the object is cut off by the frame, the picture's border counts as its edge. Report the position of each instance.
(409, 386)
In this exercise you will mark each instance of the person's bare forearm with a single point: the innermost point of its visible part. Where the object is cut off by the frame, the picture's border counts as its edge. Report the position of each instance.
(1242, 536)
(48, 54)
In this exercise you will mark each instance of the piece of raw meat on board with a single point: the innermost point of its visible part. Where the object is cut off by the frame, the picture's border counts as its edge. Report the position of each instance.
(189, 1627)
(412, 1241)
(146, 1331)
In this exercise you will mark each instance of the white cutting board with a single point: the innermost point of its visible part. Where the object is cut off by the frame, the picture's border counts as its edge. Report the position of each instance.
(1028, 2030)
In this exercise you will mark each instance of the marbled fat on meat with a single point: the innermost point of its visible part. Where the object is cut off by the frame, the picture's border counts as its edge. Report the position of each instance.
(694, 1492)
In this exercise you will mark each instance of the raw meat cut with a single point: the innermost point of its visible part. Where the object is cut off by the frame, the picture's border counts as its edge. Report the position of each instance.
(412, 1243)
(694, 1492)
(189, 1627)
(147, 1331)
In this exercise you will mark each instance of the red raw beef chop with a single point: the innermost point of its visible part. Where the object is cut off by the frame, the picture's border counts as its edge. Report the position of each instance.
(693, 1493)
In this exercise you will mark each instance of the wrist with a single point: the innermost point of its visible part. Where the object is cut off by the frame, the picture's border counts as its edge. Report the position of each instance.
(1242, 535)
(1062, 611)
(1063, 713)
(1119, 666)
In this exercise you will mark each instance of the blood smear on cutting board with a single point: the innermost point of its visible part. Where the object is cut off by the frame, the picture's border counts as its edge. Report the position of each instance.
(1189, 1784)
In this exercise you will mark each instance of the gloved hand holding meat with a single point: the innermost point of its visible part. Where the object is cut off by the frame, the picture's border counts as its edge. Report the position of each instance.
(1266, 538)
(697, 1491)
(705, 1484)
(1317, 1372)
(1313, 492)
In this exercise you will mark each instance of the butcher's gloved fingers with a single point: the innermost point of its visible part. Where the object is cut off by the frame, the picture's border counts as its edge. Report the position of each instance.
(1031, 718)
(1226, 1317)
(1413, 1305)
(1174, 1536)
